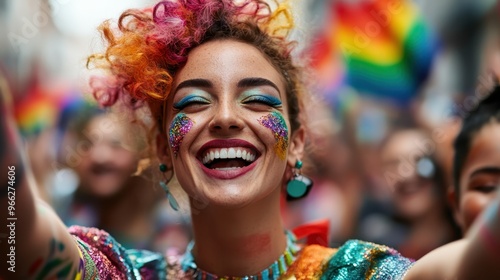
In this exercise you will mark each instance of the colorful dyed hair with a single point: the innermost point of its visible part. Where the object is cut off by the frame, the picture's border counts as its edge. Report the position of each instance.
(147, 47)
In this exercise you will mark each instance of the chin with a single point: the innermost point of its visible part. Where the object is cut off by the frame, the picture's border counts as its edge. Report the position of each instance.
(105, 190)
(229, 199)
(236, 198)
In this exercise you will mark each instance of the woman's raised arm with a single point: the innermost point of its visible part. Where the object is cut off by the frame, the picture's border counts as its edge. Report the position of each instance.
(34, 243)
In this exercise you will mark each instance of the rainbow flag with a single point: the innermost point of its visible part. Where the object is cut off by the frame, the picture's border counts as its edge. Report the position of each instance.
(40, 109)
(386, 48)
(327, 65)
(36, 112)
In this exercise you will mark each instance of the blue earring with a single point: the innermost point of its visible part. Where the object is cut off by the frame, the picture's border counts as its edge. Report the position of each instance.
(171, 199)
(299, 186)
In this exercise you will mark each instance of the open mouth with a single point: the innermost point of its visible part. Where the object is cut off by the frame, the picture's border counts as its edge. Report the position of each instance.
(407, 188)
(228, 158)
(102, 170)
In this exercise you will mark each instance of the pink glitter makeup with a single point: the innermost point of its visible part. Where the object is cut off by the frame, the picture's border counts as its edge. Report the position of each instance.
(277, 124)
(179, 127)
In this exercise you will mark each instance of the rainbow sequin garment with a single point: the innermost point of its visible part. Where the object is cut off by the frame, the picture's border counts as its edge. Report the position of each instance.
(364, 260)
(104, 258)
(354, 260)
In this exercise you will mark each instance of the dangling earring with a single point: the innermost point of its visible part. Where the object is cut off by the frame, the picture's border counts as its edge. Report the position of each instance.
(299, 186)
(171, 199)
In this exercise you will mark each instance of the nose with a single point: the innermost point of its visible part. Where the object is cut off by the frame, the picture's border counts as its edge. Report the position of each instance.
(100, 153)
(227, 118)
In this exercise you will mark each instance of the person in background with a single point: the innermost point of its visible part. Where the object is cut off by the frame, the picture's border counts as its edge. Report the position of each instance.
(336, 194)
(476, 165)
(422, 219)
(101, 158)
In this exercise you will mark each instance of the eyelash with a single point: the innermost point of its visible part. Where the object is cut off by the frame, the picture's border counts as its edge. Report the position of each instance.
(190, 100)
(269, 101)
(485, 189)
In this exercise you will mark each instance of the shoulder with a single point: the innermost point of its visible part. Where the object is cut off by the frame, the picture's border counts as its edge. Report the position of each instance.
(354, 260)
(310, 262)
(104, 258)
(365, 260)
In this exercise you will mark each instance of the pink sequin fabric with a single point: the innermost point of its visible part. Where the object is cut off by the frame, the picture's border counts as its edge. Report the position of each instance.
(105, 258)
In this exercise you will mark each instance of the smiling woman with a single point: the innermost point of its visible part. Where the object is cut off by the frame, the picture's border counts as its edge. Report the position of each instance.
(222, 83)
(225, 96)
(225, 110)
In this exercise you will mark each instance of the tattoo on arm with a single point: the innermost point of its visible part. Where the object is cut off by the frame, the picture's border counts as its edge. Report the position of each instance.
(56, 264)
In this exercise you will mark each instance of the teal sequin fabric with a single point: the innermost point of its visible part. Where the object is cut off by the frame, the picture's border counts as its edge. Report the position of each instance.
(364, 260)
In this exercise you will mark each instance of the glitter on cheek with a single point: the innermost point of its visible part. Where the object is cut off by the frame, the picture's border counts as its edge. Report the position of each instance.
(277, 124)
(179, 127)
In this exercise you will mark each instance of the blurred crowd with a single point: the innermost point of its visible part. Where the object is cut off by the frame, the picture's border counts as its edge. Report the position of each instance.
(391, 82)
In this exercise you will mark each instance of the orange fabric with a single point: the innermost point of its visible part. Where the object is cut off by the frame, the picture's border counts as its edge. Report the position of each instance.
(309, 264)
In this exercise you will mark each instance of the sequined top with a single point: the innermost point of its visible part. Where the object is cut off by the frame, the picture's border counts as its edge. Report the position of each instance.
(104, 258)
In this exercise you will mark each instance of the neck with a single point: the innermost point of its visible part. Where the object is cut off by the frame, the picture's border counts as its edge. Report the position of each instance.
(432, 229)
(433, 218)
(241, 241)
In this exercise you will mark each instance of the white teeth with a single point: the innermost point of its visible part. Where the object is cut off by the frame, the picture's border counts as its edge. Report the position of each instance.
(231, 153)
(226, 168)
(228, 153)
(223, 153)
(206, 159)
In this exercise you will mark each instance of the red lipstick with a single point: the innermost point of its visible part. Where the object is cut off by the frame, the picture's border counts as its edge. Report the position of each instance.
(226, 174)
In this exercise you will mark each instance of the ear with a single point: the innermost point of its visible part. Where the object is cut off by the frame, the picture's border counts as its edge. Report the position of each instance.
(163, 150)
(455, 207)
(296, 148)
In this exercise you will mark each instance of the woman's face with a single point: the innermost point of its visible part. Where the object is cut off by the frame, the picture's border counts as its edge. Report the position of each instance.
(229, 135)
(480, 177)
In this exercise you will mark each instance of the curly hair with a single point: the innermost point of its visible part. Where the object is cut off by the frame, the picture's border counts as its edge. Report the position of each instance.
(148, 47)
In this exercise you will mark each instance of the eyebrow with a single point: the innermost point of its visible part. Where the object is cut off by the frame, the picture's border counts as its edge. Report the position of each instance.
(486, 170)
(243, 83)
(201, 83)
(255, 82)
